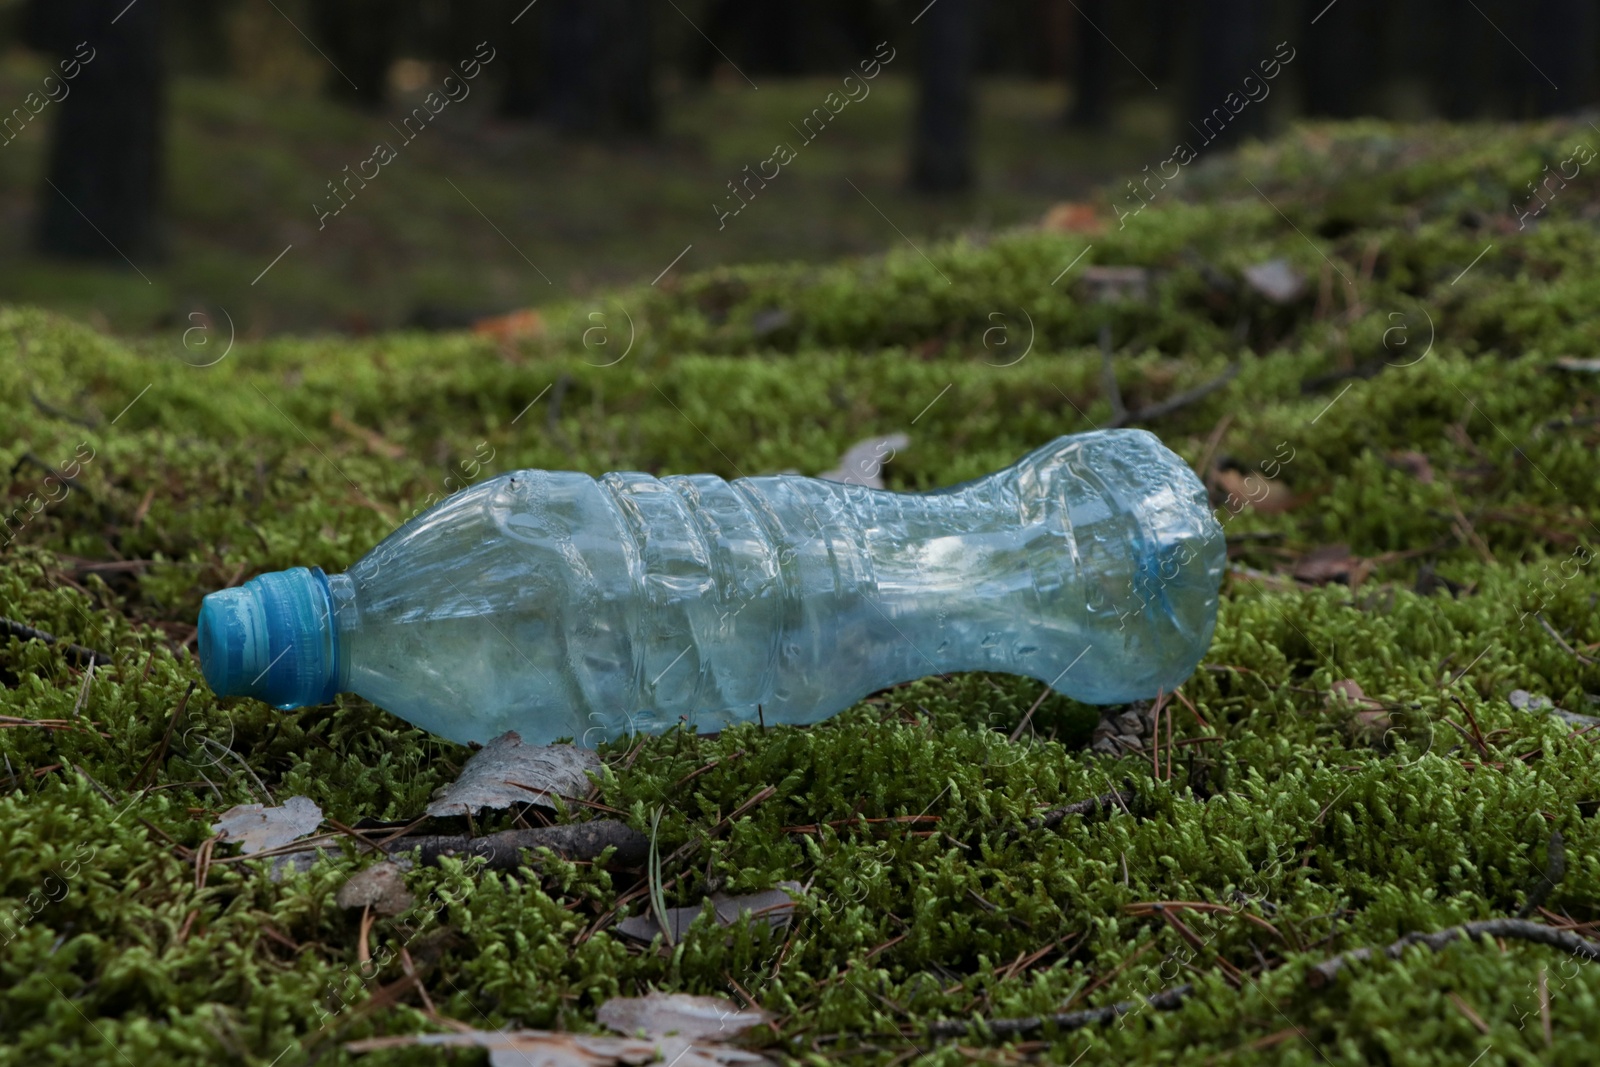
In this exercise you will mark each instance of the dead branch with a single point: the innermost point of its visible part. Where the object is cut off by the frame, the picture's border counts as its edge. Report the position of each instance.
(1521, 929)
(1166, 1000)
(582, 841)
(79, 655)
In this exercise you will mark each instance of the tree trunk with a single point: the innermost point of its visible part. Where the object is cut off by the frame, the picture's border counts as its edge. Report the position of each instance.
(199, 36)
(599, 64)
(1231, 44)
(102, 195)
(941, 154)
(1341, 62)
(1091, 67)
(1563, 51)
(358, 38)
(522, 92)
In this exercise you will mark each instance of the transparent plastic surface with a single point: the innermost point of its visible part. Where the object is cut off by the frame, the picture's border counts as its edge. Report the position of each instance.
(556, 604)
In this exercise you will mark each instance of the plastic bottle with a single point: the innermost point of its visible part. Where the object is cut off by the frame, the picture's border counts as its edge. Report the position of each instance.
(561, 605)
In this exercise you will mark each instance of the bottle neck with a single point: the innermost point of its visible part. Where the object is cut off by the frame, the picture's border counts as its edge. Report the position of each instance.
(346, 617)
(273, 638)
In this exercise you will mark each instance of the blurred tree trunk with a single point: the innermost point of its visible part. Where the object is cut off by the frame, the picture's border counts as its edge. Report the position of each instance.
(941, 153)
(1091, 67)
(1231, 42)
(1341, 69)
(1463, 62)
(358, 37)
(200, 36)
(102, 194)
(522, 53)
(1563, 50)
(773, 37)
(600, 66)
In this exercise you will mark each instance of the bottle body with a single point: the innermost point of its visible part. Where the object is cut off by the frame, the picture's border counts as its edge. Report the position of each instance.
(556, 604)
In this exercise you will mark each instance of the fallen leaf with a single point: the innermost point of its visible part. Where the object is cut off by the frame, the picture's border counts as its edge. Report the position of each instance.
(862, 463)
(1254, 490)
(257, 828)
(1116, 283)
(660, 1014)
(1579, 366)
(511, 327)
(1073, 216)
(775, 906)
(1415, 462)
(507, 772)
(1332, 563)
(1276, 280)
(548, 1048)
(381, 887)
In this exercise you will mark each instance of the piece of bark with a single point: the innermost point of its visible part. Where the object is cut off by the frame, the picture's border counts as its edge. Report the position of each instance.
(507, 772)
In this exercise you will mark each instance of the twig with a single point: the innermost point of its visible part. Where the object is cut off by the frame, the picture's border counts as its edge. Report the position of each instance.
(1029, 716)
(1108, 381)
(1201, 719)
(1155, 735)
(1544, 1008)
(1203, 468)
(1521, 929)
(1185, 398)
(1166, 1000)
(159, 754)
(1555, 869)
(816, 827)
(1052, 818)
(1585, 660)
(1150, 907)
(582, 840)
(77, 653)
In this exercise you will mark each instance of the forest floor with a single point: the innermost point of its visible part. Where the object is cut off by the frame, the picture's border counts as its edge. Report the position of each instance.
(1404, 461)
(478, 216)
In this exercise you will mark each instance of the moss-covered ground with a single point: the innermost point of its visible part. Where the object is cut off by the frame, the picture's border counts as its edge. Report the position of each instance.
(1460, 474)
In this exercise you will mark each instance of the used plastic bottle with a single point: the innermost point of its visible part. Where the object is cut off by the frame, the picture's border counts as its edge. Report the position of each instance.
(561, 605)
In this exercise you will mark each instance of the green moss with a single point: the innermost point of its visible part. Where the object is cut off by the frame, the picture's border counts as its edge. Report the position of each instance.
(215, 473)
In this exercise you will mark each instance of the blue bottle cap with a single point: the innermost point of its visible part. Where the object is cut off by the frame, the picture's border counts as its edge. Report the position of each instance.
(272, 639)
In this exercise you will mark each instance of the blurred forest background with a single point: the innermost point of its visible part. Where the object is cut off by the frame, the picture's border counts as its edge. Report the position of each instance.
(205, 137)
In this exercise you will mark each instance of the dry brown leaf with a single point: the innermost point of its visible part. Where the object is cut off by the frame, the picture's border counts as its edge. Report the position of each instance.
(1332, 563)
(694, 1018)
(381, 886)
(507, 772)
(257, 828)
(1073, 216)
(1253, 490)
(512, 327)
